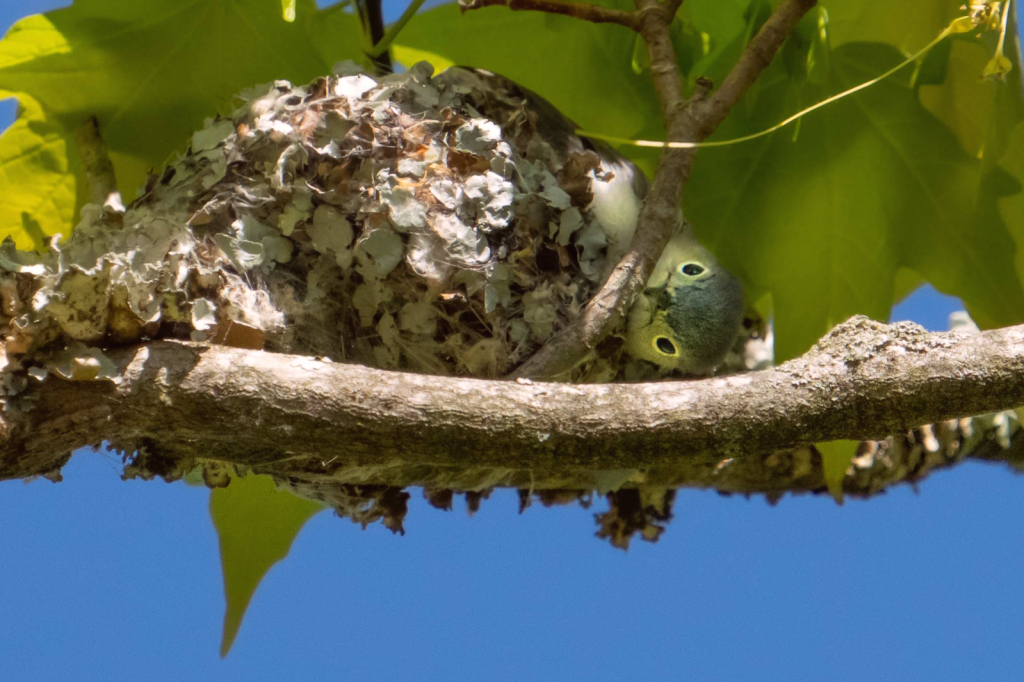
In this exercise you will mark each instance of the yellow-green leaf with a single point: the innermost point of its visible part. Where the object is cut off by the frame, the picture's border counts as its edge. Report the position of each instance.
(982, 114)
(256, 524)
(409, 56)
(909, 25)
(37, 185)
(824, 215)
(1012, 207)
(150, 71)
(288, 10)
(836, 456)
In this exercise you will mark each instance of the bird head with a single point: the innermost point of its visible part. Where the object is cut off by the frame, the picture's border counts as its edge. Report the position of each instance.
(689, 315)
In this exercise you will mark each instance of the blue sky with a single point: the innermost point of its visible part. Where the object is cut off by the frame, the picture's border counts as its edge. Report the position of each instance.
(108, 580)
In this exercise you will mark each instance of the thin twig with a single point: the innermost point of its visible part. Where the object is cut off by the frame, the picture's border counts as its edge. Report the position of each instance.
(372, 17)
(580, 10)
(671, 7)
(396, 28)
(758, 54)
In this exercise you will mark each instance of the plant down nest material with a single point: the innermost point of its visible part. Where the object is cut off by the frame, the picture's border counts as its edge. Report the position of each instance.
(436, 224)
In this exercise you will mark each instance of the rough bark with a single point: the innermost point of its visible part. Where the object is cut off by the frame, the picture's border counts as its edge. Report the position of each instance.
(311, 420)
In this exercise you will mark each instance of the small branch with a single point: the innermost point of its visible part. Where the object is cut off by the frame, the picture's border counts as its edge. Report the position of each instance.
(382, 46)
(758, 54)
(99, 171)
(654, 27)
(372, 16)
(579, 10)
(302, 417)
(671, 7)
(659, 217)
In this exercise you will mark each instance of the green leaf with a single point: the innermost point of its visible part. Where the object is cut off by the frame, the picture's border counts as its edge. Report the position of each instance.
(981, 113)
(934, 65)
(988, 119)
(1011, 208)
(256, 524)
(908, 25)
(836, 456)
(37, 186)
(584, 69)
(806, 52)
(336, 35)
(408, 56)
(822, 215)
(728, 36)
(151, 71)
(907, 282)
(722, 20)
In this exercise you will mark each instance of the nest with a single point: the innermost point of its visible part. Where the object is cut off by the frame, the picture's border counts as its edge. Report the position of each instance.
(443, 224)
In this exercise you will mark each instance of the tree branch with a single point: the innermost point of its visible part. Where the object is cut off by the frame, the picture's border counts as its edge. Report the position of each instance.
(708, 114)
(685, 122)
(579, 10)
(299, 417)
(371, 15)
(671, 7)
(384, 44)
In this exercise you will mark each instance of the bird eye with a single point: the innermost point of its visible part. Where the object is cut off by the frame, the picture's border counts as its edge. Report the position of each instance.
(691, 269)
(665, 346)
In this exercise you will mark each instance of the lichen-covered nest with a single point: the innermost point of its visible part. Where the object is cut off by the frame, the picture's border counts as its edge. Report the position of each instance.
(442, 224)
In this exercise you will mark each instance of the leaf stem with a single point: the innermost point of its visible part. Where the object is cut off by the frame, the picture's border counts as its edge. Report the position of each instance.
(1002, 31)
